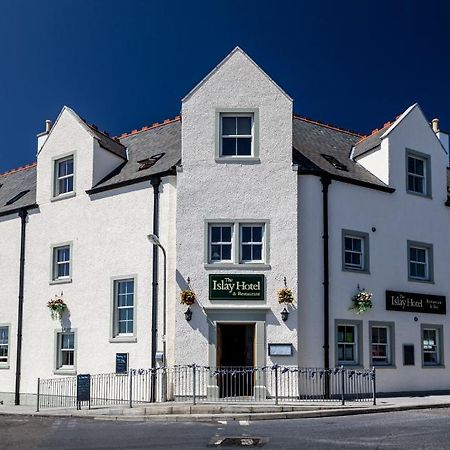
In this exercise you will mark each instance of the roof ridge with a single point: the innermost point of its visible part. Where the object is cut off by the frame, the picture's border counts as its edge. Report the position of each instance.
(151, 127)
(19, 169)
(327, 125)
(377, 130)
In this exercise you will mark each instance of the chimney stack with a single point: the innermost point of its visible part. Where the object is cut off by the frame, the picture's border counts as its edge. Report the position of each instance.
(435, 125)
(42, 137)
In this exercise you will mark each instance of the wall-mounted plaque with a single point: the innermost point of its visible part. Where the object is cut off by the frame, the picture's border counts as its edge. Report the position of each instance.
(121, 362)
(280, 349)
(411, 302)
(236, 287)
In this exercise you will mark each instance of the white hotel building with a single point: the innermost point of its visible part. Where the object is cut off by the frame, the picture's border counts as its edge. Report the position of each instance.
(239, 188)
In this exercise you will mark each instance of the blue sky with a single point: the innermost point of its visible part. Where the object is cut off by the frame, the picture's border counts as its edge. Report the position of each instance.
(125, 64)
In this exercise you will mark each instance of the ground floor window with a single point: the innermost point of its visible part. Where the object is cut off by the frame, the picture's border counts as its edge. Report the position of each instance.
(348, 343)
(4, 345)
(65, 358)
(381, 343)
(432, 351)
(124, 307)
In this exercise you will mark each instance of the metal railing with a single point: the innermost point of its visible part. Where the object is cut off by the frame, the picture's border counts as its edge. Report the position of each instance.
(195, 384)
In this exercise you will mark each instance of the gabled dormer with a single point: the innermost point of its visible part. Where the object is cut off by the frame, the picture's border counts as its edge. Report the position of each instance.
(407, 154)
(74, 156)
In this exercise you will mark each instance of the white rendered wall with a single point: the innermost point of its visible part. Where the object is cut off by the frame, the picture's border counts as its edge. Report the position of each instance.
(377, 161)
(259, 191)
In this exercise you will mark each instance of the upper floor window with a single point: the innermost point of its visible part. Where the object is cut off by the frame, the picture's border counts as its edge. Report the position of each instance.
(124, 307)
(237, 242)
(61, 262)
(420, 261)
(4, 345)
(64, 176)
(236, 134)
(355, 251)
(418, 173)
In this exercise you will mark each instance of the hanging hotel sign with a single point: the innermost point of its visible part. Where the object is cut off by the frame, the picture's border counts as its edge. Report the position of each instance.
(236, 287)
(420, 303)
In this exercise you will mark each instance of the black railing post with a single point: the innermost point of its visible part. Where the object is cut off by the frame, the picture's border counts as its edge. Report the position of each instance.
(342, 371)
(193, 384)
(374, 390)
(130, 372)
(275, 367)
(38, 393)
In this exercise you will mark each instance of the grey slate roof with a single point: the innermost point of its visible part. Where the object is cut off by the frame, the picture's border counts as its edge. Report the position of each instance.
(163, 139)
(311, 140)
(368, 143)
(15, 182)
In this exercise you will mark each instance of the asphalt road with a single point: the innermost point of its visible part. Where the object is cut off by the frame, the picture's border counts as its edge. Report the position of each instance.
(418, 429)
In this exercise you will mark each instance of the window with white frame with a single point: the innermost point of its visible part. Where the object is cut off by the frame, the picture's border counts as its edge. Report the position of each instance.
(355, 251)
(4, 345)
(238, 242)
(61, 262)
(420, 261)
(251, 243)
(65, 350)
(220, 242)
(417, 173)
(236, 134)
(431, 346)
(380, 345)
(124, 304)
(64, 176)
(347, 344)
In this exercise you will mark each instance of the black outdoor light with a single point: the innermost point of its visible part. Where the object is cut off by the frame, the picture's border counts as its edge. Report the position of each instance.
(188, 314)
(284, 315)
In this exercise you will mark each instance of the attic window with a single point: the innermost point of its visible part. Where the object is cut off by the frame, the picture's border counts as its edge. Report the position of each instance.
(16, 197)
(334, 162)
(149, 162)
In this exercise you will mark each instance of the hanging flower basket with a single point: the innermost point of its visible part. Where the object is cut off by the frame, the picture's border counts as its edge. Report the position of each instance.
(57, 307)
(285, 296)
(362, 301)
(187, 297)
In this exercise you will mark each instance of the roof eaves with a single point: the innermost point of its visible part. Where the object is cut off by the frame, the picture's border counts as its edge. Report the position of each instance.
(18, 209)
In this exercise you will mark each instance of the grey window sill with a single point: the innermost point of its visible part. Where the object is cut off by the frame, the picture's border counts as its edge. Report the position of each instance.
(386, 366)
(123, 339)
(438, 366)
(63, 196)
(418, 194)
(347, 269)
(350, 366)
(62, 281)
(238, 159)
(418, 280)
(4, 366)
(65, 372)
(233, 266)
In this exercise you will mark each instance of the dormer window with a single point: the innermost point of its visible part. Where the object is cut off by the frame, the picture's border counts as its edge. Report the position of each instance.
(418, 174)
(236, 135)
(64, 176)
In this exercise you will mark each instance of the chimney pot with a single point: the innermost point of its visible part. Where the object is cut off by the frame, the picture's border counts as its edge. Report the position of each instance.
(435, 125)
(48, 126)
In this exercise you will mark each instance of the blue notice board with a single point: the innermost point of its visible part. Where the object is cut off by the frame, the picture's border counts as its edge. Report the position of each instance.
(83, 388)
(121, 362)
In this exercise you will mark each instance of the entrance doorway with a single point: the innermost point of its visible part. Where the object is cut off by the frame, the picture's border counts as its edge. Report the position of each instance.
(235, 353)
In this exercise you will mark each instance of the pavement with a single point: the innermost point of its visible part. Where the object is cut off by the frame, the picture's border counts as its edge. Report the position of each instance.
(207, 412)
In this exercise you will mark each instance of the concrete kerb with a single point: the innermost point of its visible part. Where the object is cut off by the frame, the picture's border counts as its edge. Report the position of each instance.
(117, 414)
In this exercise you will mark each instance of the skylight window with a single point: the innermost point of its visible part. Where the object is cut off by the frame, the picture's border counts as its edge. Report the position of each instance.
(149, 162)
(17, 197)
(334, 162)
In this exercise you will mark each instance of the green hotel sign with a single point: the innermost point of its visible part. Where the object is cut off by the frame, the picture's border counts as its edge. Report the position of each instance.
(236, 287)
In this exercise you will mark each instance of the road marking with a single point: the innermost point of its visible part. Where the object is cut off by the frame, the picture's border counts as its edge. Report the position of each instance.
(223, 422)
(244, 423)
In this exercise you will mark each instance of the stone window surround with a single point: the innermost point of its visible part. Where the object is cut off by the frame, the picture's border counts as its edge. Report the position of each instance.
(54, 161)
(65, 371)
(235, 245)
(427, 159)
(113, 338)
(359, 338)
(430, 255)
(254, 158)
(440, 330)
(6, 365)
(54, 280)
(366, 250)
(391, 344)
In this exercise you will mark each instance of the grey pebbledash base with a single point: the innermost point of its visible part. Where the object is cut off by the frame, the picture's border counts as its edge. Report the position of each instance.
(7, 398)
